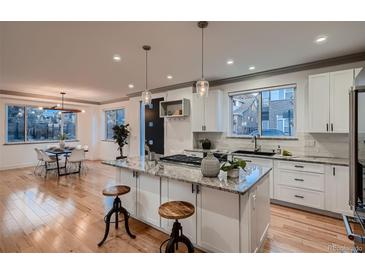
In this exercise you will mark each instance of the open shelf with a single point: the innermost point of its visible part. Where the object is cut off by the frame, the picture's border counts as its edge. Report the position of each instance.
(175, 108)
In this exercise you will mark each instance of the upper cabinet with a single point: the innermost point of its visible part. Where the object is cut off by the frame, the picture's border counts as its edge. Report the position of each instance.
(328, 101)
(207, 114)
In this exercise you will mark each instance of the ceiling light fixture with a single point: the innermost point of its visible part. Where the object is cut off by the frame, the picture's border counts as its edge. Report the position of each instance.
(146, 94)
(117, 58)
(61, 107)
(230, 62)
(251, 68)
(202, 86)
(131, 86)
(169, 77)
(321, 39)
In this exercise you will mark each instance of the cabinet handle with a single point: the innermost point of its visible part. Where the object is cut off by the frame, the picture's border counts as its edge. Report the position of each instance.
(254, 201)
(331, 127)
(192, 188)
(299, 196)
(299, 180)
(197, 189)
(327, 127)
(298, 166)
(334, 171)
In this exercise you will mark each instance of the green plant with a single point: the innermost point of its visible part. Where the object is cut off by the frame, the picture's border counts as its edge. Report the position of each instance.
(121, 133)
(62, 137)
(236, 163)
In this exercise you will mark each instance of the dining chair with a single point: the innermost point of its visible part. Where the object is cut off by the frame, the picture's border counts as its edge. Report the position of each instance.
(76, 158)
(40, 162)
(48, 161)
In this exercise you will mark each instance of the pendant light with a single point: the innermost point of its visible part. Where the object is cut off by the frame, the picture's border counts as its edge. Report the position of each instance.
(61, 107)
(146, 94)
(202, 86)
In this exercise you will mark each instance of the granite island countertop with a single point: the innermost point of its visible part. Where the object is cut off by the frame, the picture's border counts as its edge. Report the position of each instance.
(247, 179)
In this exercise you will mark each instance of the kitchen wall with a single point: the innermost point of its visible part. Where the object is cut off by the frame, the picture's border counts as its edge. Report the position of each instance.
(21, 155)
(333, 145)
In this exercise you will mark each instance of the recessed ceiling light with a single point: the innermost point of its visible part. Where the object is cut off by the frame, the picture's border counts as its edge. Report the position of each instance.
(169, 77)
(117, 58)
(251, 68)
(321, 39)
(230, 62)
(131, 86)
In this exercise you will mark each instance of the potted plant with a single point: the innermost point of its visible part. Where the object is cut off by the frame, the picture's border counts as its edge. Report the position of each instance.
(62, 137)
(121, 133)
(233, 167)
(206, 144)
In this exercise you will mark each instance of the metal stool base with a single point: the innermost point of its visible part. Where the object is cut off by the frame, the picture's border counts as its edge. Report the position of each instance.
(177, 237)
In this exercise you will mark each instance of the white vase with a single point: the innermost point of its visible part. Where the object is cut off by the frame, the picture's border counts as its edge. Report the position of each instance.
(233, 173)
(62, 144)
(210, 166)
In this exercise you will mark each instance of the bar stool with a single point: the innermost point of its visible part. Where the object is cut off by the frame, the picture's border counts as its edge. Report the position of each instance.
(176, 210)
(117, 208)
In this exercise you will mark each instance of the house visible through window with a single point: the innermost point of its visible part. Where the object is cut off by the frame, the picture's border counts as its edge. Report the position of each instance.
(268, 112)
(112, 118)
(31, 124)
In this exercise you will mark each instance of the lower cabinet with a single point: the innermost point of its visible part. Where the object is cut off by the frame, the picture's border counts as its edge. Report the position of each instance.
(148, 198)
(218, 220)
(174, 190)
(129, 200)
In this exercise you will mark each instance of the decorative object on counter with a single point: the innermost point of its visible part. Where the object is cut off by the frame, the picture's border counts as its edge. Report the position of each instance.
(206, 144)
(287, 153)
(233, 167)
(62, 138)
(210, 166)
(278, 150)
(121, 133)
(202, 85)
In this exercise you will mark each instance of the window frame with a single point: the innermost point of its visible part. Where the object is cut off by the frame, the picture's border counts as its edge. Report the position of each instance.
(26, 141)
(106, 121)
(260, 90)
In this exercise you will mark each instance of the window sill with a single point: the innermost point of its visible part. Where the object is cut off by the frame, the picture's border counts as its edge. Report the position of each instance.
(38, 142)
(265, 137)
(108, 141)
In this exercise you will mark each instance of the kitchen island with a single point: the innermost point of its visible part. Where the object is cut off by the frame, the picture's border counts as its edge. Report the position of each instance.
(232, 215)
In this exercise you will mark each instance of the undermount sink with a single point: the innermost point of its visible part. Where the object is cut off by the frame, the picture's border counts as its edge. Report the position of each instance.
(263, 153)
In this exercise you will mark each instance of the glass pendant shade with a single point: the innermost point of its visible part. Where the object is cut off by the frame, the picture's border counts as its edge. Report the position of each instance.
(147, 97)
(202, 87)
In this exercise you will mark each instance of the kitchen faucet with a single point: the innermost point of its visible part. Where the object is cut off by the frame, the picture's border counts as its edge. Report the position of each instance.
(254, 140)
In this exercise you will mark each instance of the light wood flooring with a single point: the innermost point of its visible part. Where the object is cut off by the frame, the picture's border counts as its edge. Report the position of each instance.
(66, 215)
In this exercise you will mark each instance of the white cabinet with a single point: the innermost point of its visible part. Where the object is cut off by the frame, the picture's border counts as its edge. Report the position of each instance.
(218, 220)
(173, 190)
(207, 114)
(129, 200)
(337, 189)
(148, 198)
(328, 101)
(261, 162)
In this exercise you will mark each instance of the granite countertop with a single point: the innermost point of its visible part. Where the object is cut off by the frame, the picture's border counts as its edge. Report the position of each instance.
(248, 177)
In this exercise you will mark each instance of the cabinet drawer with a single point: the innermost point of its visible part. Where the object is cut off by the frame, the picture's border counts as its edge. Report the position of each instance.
(300, 196)
(307, 180)
(300, 166)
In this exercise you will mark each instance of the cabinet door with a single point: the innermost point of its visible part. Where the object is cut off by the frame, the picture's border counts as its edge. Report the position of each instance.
(340, 84)
(319, 102)
(129, 200)
(337, 189)
(213, 113)
(218, 222)
(197, 113)
(174, 190)
(148, 198)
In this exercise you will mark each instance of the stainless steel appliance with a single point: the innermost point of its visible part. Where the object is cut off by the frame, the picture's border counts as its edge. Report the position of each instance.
(355, 226)
(190, 160)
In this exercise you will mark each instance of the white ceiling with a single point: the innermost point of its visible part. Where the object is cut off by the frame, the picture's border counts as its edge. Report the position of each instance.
(47, 57)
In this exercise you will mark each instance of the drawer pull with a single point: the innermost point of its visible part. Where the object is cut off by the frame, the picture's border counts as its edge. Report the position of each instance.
(299, 180)
(298, 166)
(248, 161)
(299, 196)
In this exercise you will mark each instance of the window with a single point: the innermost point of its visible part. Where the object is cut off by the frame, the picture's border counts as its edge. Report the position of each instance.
(31, 124)
(112, 118)
(268, 112)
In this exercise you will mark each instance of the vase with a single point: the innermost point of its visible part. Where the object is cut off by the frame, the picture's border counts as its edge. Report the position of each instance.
(210, 166)
(206, 144)
(233, 173)
(62, 144)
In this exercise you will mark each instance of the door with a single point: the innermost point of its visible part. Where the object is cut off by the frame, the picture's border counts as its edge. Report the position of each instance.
(148, 198)
(129, 200)
(198, 113)
(174, 190)
(218, 222)
(154, 127)
(340, 84)
(318, 102)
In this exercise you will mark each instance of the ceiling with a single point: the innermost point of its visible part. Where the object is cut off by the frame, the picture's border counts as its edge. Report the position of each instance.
(47, 57)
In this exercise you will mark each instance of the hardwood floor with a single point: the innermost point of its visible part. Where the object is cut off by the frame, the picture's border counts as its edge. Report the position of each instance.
(66, 215)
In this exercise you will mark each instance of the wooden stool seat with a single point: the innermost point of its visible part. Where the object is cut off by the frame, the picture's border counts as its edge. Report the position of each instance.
(116, 190)
(176, 210)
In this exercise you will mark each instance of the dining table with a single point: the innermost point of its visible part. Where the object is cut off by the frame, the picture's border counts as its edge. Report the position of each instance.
(58, 152)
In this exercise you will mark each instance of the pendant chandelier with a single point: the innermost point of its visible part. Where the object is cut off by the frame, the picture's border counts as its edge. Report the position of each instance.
(61, 107)
(202, 86)
(146, 94)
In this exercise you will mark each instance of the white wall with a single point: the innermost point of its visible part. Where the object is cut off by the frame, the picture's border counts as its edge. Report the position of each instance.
(21, 155)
